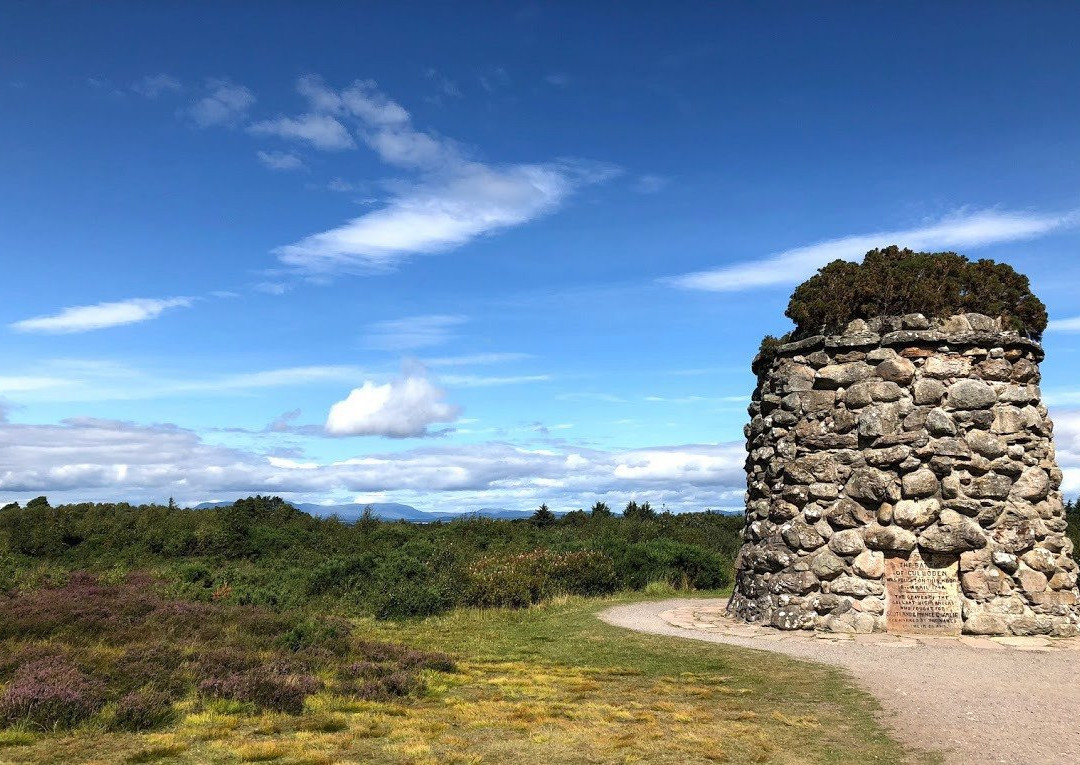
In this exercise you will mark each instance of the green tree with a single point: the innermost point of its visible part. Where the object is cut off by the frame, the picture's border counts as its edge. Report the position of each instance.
(600, 509)
(543, 517)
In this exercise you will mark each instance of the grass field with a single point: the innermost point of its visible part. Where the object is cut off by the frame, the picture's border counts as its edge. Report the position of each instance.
(546, 684)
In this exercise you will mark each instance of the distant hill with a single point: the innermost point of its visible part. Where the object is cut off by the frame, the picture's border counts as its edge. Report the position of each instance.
(387, 511)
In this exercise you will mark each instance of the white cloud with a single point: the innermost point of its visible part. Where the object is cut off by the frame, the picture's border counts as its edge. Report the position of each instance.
(89, 317)
(964, 229)
(475, 359)
(85, 459)
(487, 381)
(411, 332)
(73, 380)
(280, 160)
(453, 201)
(1064, 325)
(153, 85)
(225, 104)
(24, 384)
(320, 130)
(1067, 446)
(400, 409)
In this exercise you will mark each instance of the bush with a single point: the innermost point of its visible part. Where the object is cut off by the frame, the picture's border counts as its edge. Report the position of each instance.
(407, 599)
(264, 688)
(894, 281)
(143, 710)
(521, 579)
(50, 694)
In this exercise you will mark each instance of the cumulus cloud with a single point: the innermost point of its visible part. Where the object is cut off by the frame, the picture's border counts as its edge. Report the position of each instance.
(411, 332)
(404, 408)
(224, 104)
(964, 229)
(280, 160)
(452, 200)
(85, 459)
(320, 130)
(85, 318)
(153, 85)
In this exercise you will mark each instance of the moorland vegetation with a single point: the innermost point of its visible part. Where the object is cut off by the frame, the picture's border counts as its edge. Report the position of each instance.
(894, 281)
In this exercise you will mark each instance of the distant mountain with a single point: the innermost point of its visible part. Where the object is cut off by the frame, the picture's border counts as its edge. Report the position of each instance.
(387, 511)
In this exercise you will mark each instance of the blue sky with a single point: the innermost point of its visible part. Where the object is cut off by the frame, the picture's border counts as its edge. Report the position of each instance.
(477, 254)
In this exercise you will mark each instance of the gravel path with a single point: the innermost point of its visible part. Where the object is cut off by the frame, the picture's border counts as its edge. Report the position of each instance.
(977, 700)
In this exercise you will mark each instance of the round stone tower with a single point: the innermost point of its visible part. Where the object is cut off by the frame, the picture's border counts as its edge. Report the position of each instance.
(901, 477)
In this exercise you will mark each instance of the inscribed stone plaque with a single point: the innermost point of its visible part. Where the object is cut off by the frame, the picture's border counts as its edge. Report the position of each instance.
(922, 594)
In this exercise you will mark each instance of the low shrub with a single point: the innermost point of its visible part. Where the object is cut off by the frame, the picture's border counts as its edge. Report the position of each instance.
(521, 579)
(143, 710)
(894, 281)
(263, 688)
(50, 694)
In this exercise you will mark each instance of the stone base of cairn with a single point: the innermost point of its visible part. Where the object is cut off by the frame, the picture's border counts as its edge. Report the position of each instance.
(901, 477)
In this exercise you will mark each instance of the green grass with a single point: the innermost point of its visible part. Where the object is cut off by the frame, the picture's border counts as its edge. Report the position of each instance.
(541, 685)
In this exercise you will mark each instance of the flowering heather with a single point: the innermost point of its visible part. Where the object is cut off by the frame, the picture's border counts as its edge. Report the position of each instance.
(50, 693)
(59, 657)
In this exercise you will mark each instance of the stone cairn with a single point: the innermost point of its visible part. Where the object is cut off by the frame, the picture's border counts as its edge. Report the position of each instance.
(901, 477)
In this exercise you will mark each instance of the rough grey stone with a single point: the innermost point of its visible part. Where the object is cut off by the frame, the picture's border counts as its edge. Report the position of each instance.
(878, 420)
(869, 564)
(868, 486)
(896, 370)
(842, 375)
(888, 538)
(928, 392)
(1032, 485)
(916, 513)
(953, 533)
(985, 444)
(826, 565)
(940, 423)
(920, 483)
(846, 513)
(971, 394)
(847, 542)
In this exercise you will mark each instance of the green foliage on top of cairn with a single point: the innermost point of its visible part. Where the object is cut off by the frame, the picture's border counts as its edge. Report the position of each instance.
(893, 281)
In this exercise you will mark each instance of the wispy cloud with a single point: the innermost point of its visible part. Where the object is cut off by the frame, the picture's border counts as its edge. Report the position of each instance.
(475, 359)
(153, 85)
(280, 160)
(404, 408)
(963, 229)
(452, 200)
(411, 332)
(320, 130)
(486, 381)
(72, 380)
(1064, 325)
(224, 104)
(649, 184)
(85, 318)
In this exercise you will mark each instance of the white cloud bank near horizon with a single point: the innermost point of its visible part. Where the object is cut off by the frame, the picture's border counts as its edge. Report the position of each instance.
(450, 201)
(85, 318)
(964, 229)
(86, 459)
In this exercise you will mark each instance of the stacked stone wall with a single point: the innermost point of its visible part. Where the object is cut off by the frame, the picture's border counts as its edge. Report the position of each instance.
(904, 439)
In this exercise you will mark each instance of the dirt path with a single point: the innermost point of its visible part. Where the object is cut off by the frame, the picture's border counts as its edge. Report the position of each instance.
(977, 700)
